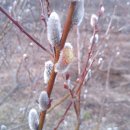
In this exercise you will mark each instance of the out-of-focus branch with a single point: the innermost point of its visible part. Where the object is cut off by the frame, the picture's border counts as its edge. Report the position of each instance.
(58, 102)
(48, 7)
(22, 30)
(62, 119)
(110, 23)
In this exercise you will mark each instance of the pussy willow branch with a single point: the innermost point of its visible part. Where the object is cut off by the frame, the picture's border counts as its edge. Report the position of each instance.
(105, 97)
(73, 100)
(53, 74)
(69, 105)
(77, 91)
(83, 75)
(22, 30)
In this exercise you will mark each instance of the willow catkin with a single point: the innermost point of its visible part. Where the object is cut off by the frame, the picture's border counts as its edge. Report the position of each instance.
(54, 29)
(3, 127)
(43, 101)
(65, 59)
(94, 38)
(33, 119)
(78, 13)
(94, 20)
(47, 71)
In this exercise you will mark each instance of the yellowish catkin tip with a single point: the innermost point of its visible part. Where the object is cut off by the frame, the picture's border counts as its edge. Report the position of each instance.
(78, 13)
(65, 59)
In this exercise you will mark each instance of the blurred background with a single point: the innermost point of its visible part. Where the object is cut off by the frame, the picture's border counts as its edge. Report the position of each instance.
(105, 100)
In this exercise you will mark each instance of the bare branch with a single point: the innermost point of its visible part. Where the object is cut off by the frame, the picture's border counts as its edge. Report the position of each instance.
(22, 30)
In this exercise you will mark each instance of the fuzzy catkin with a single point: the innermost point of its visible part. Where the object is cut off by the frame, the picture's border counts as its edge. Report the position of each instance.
(78, 13)
(43, 101)
(33, 119)
(94, 20)
(47, 71)
(3, 127)
(54, 29)
(65, 59)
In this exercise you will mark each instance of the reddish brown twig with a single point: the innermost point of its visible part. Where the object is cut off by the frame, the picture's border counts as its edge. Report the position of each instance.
(53, 74)
(63, 117)
(22, 30)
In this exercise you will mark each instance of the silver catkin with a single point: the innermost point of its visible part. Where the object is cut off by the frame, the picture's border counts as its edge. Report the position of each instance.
(47, 71)
(78, 13)
(33, 119)
(54, 29)
(3, 127)
(43, 101)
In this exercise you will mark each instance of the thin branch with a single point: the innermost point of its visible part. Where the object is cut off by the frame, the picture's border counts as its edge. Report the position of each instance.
(53, 74)
(110, 23)
(22, 30)
(58, 103)
(67, 25)
(63, 117)
(106, 90)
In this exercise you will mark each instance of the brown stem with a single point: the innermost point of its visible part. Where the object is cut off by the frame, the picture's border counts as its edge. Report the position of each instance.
(53, 74)
(67, 25)
(78, 92)
(22, 30)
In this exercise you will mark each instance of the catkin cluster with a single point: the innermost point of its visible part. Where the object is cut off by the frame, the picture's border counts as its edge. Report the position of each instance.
(65, 59)
(33, 117)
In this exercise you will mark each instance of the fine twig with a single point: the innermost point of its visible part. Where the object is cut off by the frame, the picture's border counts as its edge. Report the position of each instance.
(63, 117)
(78, 51)
(23, 30)
(58, 103)
(106, 90)
(110, 23)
